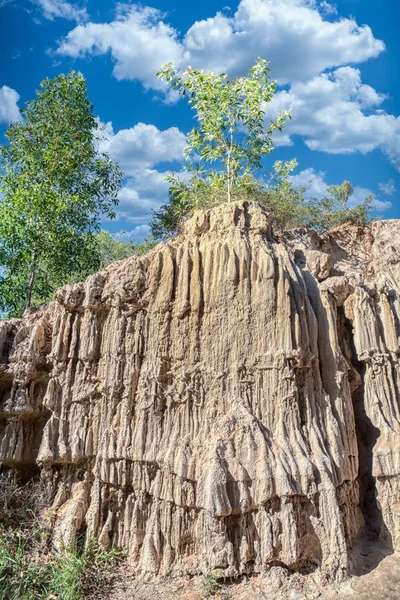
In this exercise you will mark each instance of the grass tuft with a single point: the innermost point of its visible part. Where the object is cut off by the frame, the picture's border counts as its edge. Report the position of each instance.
(28, 568)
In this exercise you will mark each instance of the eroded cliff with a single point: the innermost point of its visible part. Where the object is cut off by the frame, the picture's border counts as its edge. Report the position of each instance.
(228, 401)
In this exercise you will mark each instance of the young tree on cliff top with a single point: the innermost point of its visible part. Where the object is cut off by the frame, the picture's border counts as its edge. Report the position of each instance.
(231, 122)
(55, 185)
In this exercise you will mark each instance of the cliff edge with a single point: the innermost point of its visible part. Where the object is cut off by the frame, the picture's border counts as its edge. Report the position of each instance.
(228, 401)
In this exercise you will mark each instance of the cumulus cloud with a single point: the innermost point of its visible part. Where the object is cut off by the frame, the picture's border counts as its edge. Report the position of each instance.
(137, 234)
(138, 150)
(293, 34)
(328, 8)
(9, 105)
(388, 188)
(142, 146)
(309, 48)
(313, 182)
(336, 113)
(141, 195)
(138, 40)
(316, 187)
(52, 9)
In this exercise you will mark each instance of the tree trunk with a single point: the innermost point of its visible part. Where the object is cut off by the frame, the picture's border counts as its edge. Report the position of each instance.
(30, 281)
(229, 176)
(228, 165)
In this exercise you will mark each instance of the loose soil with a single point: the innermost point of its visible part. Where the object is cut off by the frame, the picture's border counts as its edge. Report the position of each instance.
(376, 576)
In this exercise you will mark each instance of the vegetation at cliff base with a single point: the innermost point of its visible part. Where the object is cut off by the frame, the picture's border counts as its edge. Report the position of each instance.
(55, 186)
(29, 569)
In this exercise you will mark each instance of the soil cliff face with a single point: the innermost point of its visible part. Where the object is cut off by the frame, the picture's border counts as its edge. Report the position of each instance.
(230, 400)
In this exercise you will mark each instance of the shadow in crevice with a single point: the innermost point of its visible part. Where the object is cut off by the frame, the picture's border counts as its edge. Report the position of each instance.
(370, 550)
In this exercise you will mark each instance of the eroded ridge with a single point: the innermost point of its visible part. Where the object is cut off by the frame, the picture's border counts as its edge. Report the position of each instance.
(226, 401)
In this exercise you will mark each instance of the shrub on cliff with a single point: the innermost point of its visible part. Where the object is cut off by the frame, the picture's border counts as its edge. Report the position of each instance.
(224, 154)
(231, 137)
(280, 196)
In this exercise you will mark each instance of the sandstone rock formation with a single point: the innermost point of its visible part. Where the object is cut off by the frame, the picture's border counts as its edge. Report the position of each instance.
(230, 400)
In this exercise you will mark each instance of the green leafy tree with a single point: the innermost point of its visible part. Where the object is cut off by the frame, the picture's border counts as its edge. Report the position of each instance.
(55, 185)
(334, 210)
(112, 247)
(230, 115)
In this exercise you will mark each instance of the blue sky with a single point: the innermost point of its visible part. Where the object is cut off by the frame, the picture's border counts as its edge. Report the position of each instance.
(337, 65)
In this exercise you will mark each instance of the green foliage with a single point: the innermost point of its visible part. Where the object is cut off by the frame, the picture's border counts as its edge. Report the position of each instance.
(214, 588)
(28, 570)
(24, 577)
(112, 248)
(231, 136)
(230, 115)
(142, 248)
(100, 566)
(55, 185)
(334, 209)
(279, 195)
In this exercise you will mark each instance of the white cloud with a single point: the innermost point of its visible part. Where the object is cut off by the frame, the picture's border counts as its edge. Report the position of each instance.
(142, 194)
(388, 188)
(313, 181)
(138, 40)
(60, 8)
(143, 146)
(8, 105)
(137, 234)
(138, 150)
(328, 8)
(316, 187)
(292, 34)
(336, 113)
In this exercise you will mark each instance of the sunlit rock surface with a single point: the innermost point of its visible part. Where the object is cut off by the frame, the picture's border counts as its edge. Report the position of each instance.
(230, 400)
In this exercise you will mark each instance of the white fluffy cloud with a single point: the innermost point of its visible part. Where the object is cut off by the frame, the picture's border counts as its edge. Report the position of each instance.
(8, 105)
(138, 40)
(137, 234)
(138, 150)
(313, 181)
(388, 188)
(143, 146)
(141, 194)
(52, 9)
(316, 186)
(336, 113)
(328, 8)
(309, 47)
(293, 35)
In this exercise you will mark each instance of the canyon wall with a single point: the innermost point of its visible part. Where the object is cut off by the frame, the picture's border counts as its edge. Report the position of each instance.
(228, 401)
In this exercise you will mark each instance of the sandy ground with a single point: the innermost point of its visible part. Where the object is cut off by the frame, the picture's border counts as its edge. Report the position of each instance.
(376, 576)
